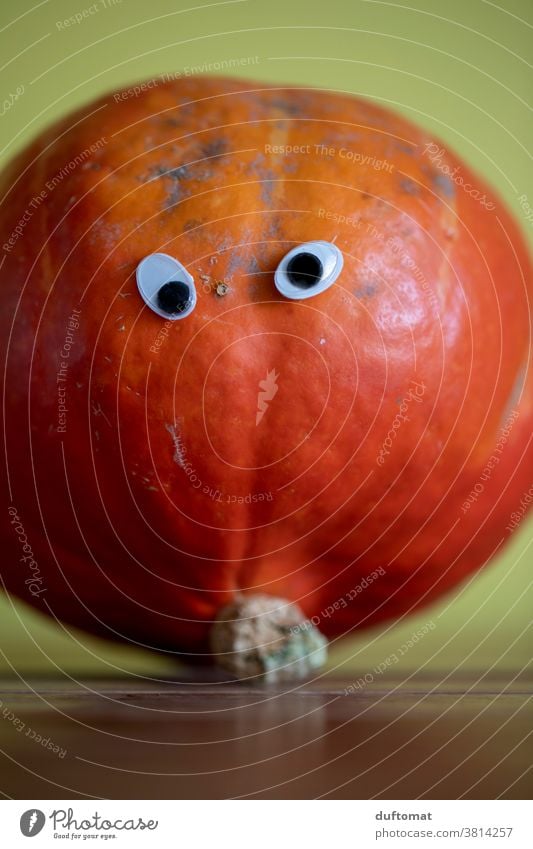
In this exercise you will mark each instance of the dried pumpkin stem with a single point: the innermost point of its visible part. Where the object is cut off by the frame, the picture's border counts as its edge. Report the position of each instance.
(263, 638)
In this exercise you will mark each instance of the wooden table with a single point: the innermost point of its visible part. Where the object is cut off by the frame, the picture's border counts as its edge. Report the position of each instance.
(201, 737)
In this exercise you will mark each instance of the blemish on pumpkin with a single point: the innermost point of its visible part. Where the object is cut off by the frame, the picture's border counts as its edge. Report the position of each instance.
(443, 183)
(224, 244)
(179, 457)
(409, 187)
(289, 165)
(365, 291)
(288, 107)
(173, 197)
(215, 147)
(267, 188)
(403, 148)
(97, 411)
(191, 224)
(182, 172)
(221, 288)
(153, 173)
(176, 175)
(235, 263)
(253, 266)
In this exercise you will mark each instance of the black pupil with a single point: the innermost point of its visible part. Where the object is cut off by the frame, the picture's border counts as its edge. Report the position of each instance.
(304, 270)
(173, 297)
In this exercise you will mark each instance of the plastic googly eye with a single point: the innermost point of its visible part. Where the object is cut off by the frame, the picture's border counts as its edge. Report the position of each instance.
(308, 270)
(166, 286)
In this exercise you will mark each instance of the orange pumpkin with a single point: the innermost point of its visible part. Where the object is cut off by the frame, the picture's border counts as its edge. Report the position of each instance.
(359, 451)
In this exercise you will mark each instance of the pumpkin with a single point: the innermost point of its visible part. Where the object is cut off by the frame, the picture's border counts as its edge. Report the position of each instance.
(348, 454)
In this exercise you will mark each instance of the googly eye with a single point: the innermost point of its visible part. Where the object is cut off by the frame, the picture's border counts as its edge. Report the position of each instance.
(166, 286)
(308, 270)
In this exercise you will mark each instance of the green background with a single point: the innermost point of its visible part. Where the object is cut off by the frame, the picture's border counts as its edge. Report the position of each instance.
(460, 68)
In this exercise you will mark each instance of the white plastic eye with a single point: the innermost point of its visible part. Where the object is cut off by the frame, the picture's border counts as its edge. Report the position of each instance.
(308, 270)
(166, 286)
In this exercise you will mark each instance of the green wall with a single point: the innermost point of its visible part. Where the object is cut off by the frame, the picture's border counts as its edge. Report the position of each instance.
(460, 68)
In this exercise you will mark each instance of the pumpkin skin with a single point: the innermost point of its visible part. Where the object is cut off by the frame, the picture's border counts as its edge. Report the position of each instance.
(143, 511)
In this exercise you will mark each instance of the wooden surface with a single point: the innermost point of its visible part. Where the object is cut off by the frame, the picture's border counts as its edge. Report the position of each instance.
(201, 737)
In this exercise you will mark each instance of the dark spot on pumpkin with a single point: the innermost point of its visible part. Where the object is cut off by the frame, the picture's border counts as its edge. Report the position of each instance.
(443, 184)
(289, 107)
(268, 181)
(253, 266)
(267, 190)
(257, 163)
(155, 171)
(178, 176)
(224, 244)
(409, 186)
(182, 172)
(236, 261)
(191, 224)
(215, 147)
(289, 164)
(173, 196)
(274, 229)
(403, 148)
(365, 291)
(196, 171)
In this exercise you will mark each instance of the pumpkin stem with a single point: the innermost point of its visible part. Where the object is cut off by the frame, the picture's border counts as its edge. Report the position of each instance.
(267, 638)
